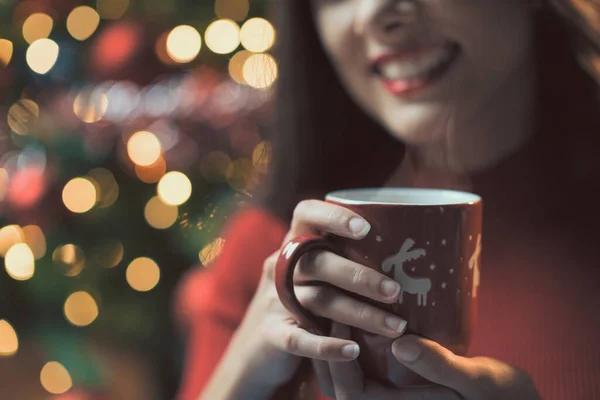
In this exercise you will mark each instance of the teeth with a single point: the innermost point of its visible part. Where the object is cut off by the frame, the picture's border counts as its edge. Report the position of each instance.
(407, 69)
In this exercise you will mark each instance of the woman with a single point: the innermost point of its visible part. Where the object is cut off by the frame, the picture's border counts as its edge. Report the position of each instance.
(478, 95)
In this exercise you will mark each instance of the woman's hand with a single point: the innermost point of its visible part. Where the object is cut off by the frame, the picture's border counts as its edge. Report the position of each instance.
(455, 377)
(268, 346)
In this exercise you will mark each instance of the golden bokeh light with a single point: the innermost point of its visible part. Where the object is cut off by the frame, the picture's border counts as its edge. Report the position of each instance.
(213, 166)
(82, 22)
(144, 148)
(211, 251)
(6, 52)
(107, 189)
(37, 26)
(112, 9)
(143, 274)
(183, 43)
(20, 262)
(70, 258)
(174, 188)
(241, 175)
(160, 215)
(55, 378)
(236, 66)
(257, 35)
(261, 157)
(36, 240)
(9, 236)
(152, 173)
(42, 55)
(81, 309)
(9, 342)
(3, 183)
(222, 36)
(22, 116)
(236, 10)
(90, 109)
(160, 48)
(260, 71)
(79, 195)
(108, 255)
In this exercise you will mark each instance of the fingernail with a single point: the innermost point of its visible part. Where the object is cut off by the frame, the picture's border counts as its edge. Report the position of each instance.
(390, 288)
(350, 351)
(359, 227)
(408, 351)
(395, 323)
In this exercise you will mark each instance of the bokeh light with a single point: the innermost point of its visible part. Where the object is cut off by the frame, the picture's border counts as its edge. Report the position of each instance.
(20, 262)
(240, 175)
(257, 35)
(3, 183)
(9, 236)
(55, 378)
(211, 251)
(144, 148)
(81, 309)
(260, 71)
(6, 52)
(152, 173)
(222, 36)
(143, 274)
(109, 254)
(174, 188)
(236, 66)
(213, 166)
(261, 156)
(236, 10)
(70, 258)
(160, 215)
(112, 9)
(36, 240)
(42, 55)
(37, 26)
(107, 189)
(82, 22)
(183, 43)
(22, 116)
(9, 342)
(79, 195)
(90, 108)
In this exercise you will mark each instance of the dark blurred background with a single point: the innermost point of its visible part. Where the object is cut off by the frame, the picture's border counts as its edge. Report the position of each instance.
(129, 131)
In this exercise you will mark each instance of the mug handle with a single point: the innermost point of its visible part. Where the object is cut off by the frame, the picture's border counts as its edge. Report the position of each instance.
(287, 261)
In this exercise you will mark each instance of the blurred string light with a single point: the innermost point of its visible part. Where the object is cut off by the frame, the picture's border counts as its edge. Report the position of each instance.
(222, 36)
(90, 108)
(3, 183)
(112, 9)
(107, 188)
(257, 35)
(236, 10)
(9, 236)
(174, 188)
(152, 173)
(261, 156)
(37, 26)
(22, 116)
(211, 251)
(36, 240)
(55, 378)
(6, 52)
(42, 55)
(110, 254)
(240, 175)
(160, 215)
(82, 22)
(183, 43)
(236, 66)
(20, 262)
(81, 309)
(214, 165)
(9, 342)
(79, 195)
(70, 259)
(143, 274)
(260, 71)
(144, 148)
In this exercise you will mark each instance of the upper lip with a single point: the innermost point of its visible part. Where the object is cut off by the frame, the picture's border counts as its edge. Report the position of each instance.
(407, 53)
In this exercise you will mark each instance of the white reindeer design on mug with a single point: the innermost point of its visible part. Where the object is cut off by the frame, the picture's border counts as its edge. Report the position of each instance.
(418, 286)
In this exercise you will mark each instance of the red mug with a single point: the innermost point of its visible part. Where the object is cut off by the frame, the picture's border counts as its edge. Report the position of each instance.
(429, 241)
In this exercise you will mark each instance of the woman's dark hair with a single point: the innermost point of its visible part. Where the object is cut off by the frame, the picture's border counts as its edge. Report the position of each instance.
(323, 141)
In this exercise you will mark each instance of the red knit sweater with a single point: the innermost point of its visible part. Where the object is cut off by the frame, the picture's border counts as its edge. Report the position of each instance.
(539, 304)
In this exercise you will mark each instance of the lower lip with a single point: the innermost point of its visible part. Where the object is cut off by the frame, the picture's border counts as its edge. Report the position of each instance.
(404, 87)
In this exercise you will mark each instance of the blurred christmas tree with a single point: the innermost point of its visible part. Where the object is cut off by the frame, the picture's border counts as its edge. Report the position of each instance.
(129, 133)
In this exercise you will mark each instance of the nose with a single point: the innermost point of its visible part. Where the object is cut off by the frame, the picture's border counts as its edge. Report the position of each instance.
(385, 20)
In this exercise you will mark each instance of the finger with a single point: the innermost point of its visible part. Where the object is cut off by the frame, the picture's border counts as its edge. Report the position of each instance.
(332, 304)
(295, 340)
(435, 363)
(324, 379)
(312, 215)
(347, 377)
(329, 267)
